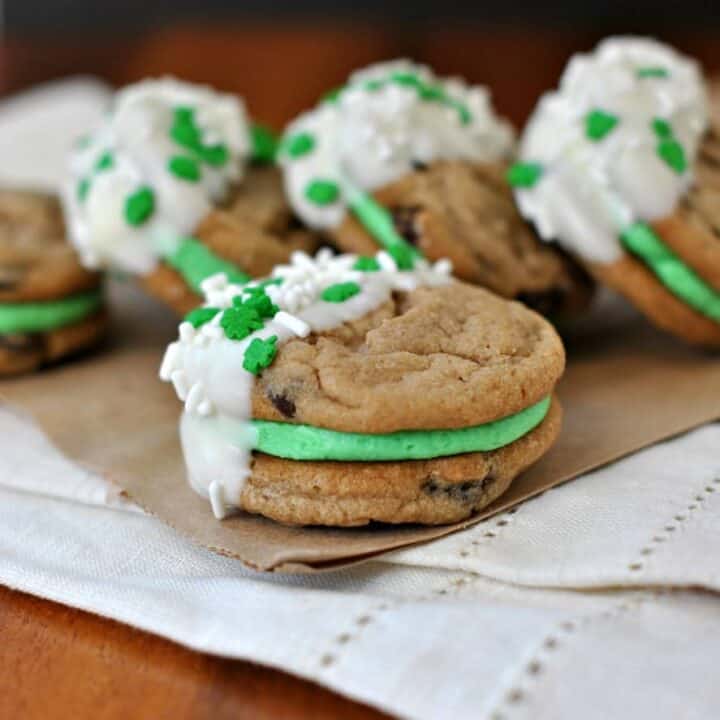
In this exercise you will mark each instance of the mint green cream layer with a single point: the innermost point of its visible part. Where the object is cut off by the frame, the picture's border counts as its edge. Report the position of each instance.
(304, 442)
(196, 262)
(673, 273)
(49, 315)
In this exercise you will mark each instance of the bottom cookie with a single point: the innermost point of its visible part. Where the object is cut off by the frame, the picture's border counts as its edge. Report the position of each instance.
(24, 352)
(432, 492)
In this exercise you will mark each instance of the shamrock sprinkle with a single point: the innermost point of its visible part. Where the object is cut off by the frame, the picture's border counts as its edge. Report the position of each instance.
(199, 316)
(366, 264)
(524, 175)
(259, 354)
(184, 167)
(239, 321)
(104, 162)
(83, 187)
(299, 144)
(340, 292)
(662, 128)
(672, 152)
(216, 155)
(322, 192)
(652, 72)
(599, 123)
(139, 206)
(260, 303)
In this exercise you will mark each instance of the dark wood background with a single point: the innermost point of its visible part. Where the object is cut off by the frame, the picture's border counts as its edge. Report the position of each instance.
(59, 663)
(282, 67)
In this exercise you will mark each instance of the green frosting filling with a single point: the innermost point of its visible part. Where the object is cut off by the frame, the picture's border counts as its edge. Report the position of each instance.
(677, 277)
(195, 262)
(28, 317)
(304, 442)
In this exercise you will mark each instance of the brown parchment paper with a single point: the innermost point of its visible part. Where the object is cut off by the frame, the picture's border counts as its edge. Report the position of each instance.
(626, 387)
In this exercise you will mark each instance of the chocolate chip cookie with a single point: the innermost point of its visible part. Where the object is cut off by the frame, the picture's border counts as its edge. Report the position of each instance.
(50, 306)
(344, 390)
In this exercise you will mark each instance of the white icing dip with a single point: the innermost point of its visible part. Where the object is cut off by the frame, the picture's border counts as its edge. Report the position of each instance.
(597, 140)
(180, 145)
(206, 366)
(389, 117)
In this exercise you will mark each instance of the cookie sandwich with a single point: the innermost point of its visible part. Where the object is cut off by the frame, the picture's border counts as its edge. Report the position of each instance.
(50, 306)
(343, 390)
(404, 160)
(175, 186)
(620, 165)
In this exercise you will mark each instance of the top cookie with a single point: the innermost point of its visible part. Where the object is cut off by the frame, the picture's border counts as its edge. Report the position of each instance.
(36, 262)
(442, 357)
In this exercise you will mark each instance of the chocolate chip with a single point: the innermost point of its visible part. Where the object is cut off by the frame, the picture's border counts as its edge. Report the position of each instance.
(21, 342)
(284, 404)
(404, 219)
(467, 492)
(419, 166)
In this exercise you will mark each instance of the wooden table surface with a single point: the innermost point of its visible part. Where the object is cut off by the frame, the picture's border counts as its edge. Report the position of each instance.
(59, 663)
(56, 662)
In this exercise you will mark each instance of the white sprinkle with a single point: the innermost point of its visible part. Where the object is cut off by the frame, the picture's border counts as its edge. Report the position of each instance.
(302, 260)
(217, 500)
(292, 323)
(205, 408)
(443, 266)
(180, 383)
(170, 361)
(194, 398)
(216, 298)
(387, 262)
(187, 332)
(323, 256)
(214, 282)
(213, 332)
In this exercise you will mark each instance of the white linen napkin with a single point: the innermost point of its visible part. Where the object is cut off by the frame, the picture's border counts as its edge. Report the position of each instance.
(560, 609)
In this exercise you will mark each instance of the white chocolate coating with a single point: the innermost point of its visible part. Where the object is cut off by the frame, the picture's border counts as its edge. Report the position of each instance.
(206, 367)
(137, 134)
(367, 138)
(591, 189)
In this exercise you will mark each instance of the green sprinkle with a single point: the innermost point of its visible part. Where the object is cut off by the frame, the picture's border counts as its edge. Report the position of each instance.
(260, 303)
(259, 354)
(104, 162)
(299, 144)
(184, 114)
(187, 135)
(215, 155)
(340, 292)
(599, 123)
(374, 85)
(264, 143)
(200, 316)
(139, 206)
(322, 192)
(366, 264)
(524, 175)
(184, 167)
(83, 187)
(407, 79)
(652, 72)
(239, 321)
(662, 128)
(672, 152)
